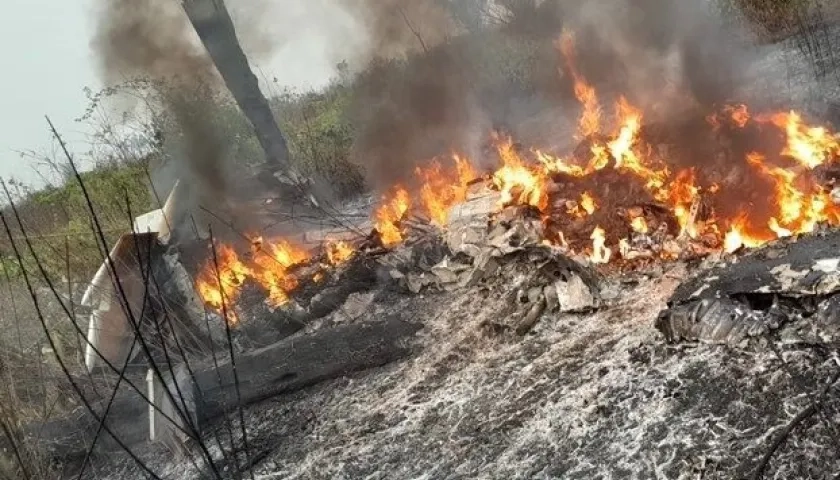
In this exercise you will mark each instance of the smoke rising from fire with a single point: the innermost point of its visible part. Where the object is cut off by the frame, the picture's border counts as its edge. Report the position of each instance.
(153, 39)
(669, 57)
(657, 52)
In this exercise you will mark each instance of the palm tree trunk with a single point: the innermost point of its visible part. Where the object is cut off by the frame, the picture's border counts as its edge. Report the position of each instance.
(214, 26)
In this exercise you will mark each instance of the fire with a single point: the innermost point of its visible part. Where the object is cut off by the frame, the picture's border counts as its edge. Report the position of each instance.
(801, 205)
(698, 207)
(639, 225)
(338, 252)
(809, 146)
(272, 262)
(441, 189)
(739, 114)
(622, 151)
(586, 206)
(590, 119)
(268, 266)
(682, 195)
(738, 236)
(518, 182)
(389, 215)
(219, 288)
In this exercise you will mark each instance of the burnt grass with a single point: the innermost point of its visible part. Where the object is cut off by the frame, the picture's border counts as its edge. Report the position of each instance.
(597, 395)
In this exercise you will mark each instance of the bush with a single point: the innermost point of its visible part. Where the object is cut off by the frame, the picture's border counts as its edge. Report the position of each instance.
(57, 217)
(319, 129)
(771, 19)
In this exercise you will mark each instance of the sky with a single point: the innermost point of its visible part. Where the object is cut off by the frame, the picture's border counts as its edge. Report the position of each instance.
(47, 63)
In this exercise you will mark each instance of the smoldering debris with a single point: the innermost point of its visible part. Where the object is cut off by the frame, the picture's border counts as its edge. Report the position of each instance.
(759, 293)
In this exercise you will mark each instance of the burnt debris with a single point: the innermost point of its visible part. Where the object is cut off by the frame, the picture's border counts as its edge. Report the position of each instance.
(757, 293)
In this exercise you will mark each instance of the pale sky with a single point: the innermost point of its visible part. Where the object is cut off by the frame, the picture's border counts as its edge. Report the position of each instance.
(45, 64)
(47, 61)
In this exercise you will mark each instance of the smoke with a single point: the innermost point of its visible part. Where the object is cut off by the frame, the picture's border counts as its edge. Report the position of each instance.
(668, 57)
(395, 27)
(149, 38)
(153, 39)
(428, 89)
(658, 53)
(416, 99)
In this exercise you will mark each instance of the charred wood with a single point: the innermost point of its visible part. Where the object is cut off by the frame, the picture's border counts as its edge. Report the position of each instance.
(299, 362)
(285, 367)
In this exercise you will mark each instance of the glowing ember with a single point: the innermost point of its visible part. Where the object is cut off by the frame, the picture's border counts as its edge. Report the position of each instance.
(639, 225)
(738, 114)
(587, 203)
(338, 252)
(600, 253)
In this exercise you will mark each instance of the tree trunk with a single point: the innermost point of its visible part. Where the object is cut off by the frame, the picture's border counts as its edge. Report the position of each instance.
(212, 22)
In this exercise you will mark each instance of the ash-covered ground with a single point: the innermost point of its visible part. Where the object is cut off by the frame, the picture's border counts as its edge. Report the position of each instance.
(597, 395)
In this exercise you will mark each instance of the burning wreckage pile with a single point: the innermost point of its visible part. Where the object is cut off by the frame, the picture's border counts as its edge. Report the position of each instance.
(629, 196)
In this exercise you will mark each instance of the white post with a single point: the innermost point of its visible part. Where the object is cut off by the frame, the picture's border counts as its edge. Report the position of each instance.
(150, 382)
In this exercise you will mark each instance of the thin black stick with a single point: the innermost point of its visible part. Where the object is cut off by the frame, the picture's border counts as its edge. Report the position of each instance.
(58, 358)
(798, 419)
(119, 382)
(159, 332)
(232, 356)
(12, 441)
(101, 424)
(123, 297)
(54, 291)
(214, 356)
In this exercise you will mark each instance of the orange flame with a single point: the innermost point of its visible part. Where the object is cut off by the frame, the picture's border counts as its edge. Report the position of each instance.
(388, 216)
(220, 288)
(739, 236)
(739, 114)
(809, 146)
(338, 251)
(272, 262)
(622, 151)
(590, 119)
(799, 203)
(519, 183)
(442, 189)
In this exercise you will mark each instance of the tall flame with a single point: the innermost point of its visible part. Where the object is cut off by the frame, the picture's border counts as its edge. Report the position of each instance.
(441, 188)
(809, 146)
(518, 182)
(590, 119)
(389, 215)
(219, 288)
